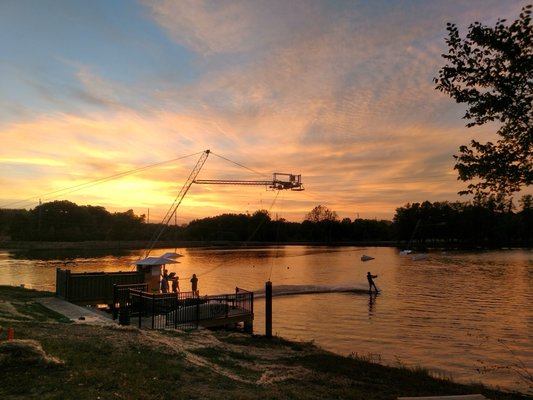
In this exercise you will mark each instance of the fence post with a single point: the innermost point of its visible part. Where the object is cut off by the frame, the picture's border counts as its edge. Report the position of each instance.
(141, 307)
(176, 311)
(114, 303)
(251, 302)
(197, 311)
(153, 309)
(268, 309)
(67, 284)
(227, 304)
(60, 286)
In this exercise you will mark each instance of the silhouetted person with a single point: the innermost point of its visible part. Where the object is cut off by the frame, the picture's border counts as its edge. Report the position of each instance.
(175, 282)
(371, 283)
(164, 282)
(194, 285)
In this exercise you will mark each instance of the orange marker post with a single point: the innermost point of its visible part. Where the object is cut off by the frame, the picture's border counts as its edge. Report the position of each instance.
(10, 333)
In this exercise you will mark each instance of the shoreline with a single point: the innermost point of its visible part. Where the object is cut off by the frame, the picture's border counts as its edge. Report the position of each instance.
(140, 245)
(189, 364)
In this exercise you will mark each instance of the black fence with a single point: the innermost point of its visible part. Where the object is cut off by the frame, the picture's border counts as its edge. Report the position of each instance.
(121, 296)
(184, 310)
(92, 288)
(244, 300)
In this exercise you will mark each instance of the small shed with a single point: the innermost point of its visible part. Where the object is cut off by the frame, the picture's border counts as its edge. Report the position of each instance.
(151, 267)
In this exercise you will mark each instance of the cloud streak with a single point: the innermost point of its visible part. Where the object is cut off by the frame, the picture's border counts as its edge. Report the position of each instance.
(340, 92)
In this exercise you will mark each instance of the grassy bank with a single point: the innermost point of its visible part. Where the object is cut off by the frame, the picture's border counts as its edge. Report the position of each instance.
(53, 358)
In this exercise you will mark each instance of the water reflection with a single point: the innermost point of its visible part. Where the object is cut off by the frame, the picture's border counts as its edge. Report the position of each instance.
(67, 254)
(447, 312)
(372, 296)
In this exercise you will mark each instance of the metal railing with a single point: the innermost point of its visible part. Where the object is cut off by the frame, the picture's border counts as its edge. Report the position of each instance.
(184, 310)
(121, 296)
(244, 300)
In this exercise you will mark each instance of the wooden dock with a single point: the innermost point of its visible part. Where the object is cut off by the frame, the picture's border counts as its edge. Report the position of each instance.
(230, 319)
(185, 310)
(129, 300)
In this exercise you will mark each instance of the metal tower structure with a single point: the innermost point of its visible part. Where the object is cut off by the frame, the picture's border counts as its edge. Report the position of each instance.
(280, 181)
(177, 201)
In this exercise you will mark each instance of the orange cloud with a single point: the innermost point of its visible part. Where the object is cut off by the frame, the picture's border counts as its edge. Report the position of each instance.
(296, 87)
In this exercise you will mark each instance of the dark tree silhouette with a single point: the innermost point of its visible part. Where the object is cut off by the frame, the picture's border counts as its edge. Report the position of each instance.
(485, 221)
(321, 213)
(491, 70)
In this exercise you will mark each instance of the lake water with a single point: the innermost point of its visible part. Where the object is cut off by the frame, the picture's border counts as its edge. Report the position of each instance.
(464, 315)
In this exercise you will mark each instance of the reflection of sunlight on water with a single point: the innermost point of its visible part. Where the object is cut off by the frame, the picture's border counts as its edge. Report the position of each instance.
(296, 290)
(449, 312)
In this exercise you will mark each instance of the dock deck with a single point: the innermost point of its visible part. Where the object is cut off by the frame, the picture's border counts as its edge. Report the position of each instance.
(230, 319)
(186, 310)
(127, 295)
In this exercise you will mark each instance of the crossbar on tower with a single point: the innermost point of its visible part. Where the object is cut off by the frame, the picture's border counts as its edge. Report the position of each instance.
(280, 181)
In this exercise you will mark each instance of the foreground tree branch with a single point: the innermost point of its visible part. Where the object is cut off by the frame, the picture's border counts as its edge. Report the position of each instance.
(491, 70)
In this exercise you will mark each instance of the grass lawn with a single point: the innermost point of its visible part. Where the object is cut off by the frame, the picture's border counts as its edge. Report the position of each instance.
(53, 358)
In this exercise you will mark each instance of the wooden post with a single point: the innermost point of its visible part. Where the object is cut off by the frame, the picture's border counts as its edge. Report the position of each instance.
(67, 285)
(141, 306)
(268, 309)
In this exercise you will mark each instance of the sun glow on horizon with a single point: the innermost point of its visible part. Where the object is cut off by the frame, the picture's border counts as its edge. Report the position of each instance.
(338, 93)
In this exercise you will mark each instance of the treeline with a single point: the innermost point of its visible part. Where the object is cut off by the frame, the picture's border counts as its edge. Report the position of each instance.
(66, 221)
(459, 224)
(482, 223)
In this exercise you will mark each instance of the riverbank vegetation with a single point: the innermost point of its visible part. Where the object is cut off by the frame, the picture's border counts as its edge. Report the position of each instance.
(54, 358)
(481, 223)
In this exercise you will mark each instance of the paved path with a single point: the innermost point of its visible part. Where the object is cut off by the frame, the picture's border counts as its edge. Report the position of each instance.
(86, 315)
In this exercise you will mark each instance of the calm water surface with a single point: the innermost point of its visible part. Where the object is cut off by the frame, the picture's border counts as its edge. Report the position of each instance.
(456, 314)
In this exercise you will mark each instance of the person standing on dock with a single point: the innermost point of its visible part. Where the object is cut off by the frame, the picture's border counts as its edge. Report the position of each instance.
(164, 282)
(194, 285)
(371, 283)
(175, 282)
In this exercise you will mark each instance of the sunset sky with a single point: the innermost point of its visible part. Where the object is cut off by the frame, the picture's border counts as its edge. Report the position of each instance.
(340, 92)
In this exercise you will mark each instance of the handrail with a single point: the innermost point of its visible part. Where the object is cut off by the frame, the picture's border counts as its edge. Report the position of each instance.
(184, 309)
